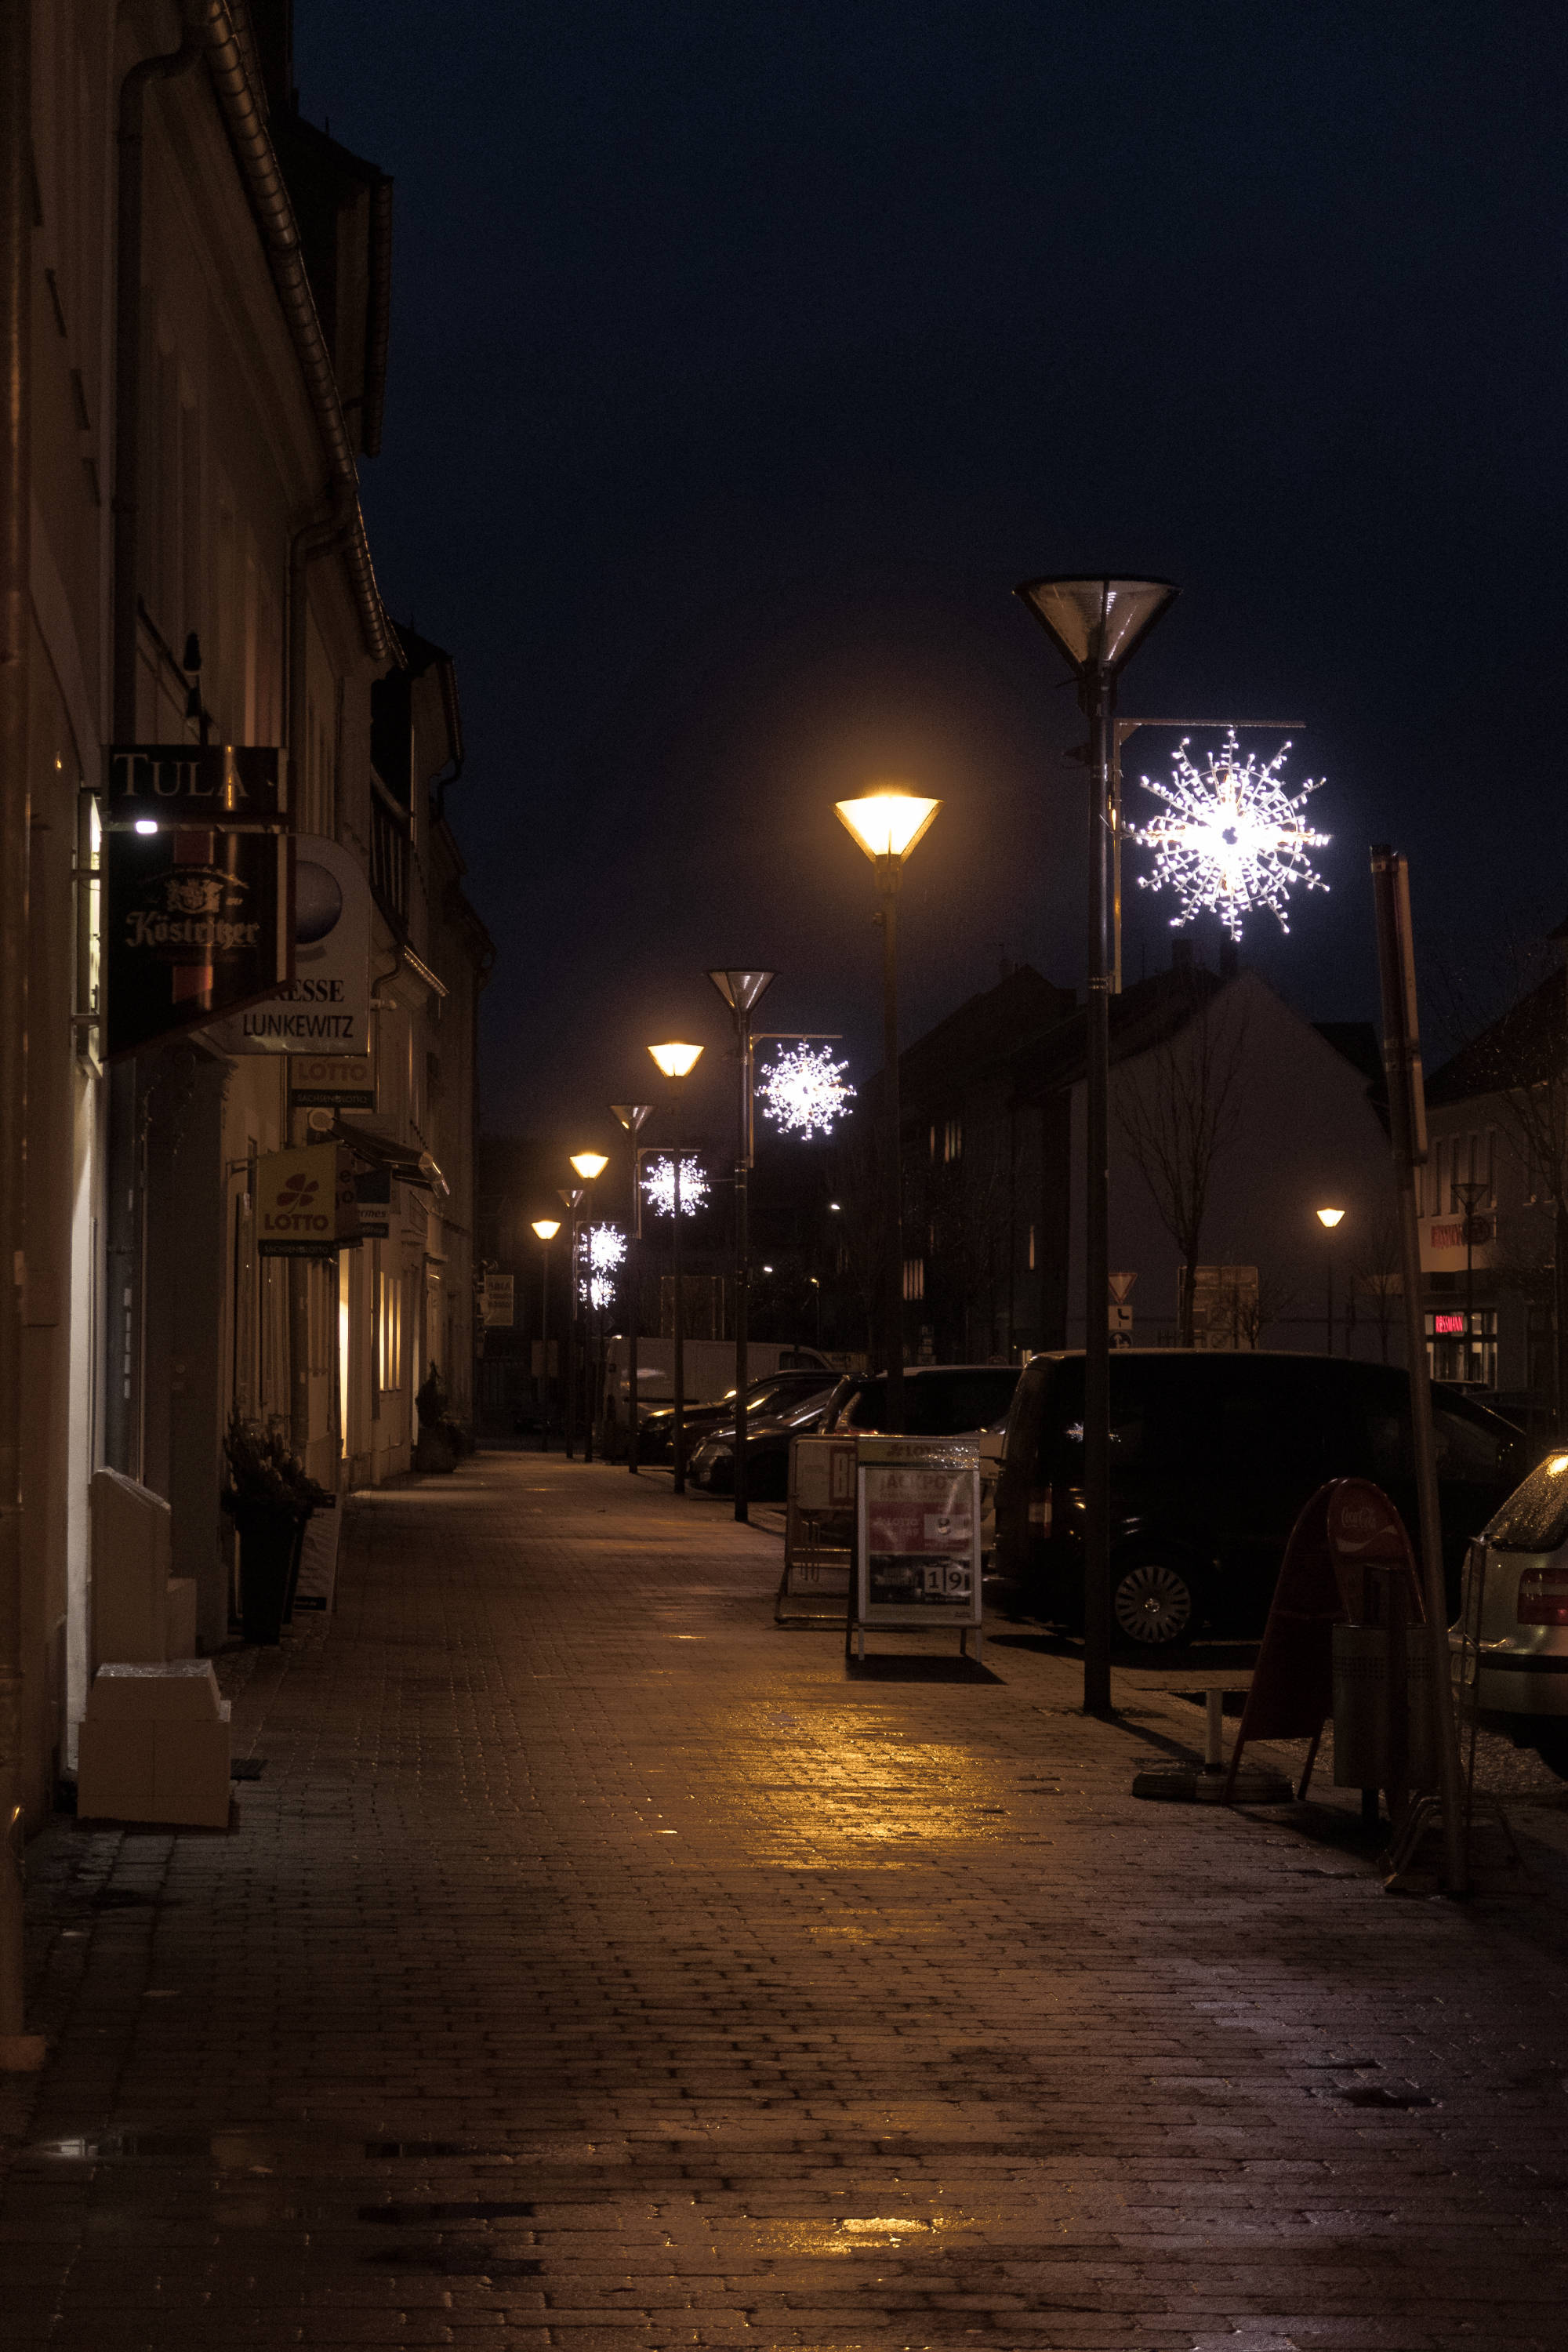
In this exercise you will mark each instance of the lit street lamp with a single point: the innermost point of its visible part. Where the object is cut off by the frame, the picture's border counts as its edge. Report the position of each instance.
(743, 991)
(1096, 626)
(590, 1166)
(888, 823)
(631, 1116)
(546, 1228)
(677, 1062)
(1328, 1219)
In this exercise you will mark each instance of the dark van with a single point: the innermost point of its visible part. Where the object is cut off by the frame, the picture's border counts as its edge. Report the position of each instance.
(1211, 1457)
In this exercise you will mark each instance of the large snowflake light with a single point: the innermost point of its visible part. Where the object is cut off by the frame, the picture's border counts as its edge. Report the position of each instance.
(600, 1252)
(659, 1187)
(805, 1091)
(1232, 837)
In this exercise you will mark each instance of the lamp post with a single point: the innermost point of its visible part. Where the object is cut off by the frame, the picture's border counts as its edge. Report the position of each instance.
(1471, 1192)
(1328, 1219)
(817, 1285)
(677, 1062)
(1096, 626)
(572, 1197)
(886, 823)
(546, 1228)
(631, 1116)
(590, 1166)
(743, 991)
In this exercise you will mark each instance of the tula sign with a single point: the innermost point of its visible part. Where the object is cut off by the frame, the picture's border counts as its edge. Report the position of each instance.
(305, 1201)
(197, 783)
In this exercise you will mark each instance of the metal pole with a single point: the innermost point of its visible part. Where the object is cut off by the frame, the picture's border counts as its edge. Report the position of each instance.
(887, 877)
(634, 1292)
(742, 1263)
(1329, 1265)
(544, 1346)
(590, 1330)
(678, 1439)
(1100, 697)
(1407, 1122)
(571, 1341)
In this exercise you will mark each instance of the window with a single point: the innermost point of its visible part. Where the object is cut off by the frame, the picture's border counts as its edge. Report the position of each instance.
(389, 1332)
(952, 1141)
(1031, 1249)
(914, 1277)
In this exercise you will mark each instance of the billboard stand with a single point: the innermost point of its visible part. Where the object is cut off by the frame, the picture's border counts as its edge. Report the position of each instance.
(917, 1542)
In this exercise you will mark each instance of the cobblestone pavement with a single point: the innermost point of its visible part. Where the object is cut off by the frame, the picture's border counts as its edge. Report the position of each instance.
(594, 1965)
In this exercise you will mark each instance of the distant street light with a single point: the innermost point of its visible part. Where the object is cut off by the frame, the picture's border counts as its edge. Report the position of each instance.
(743, 991)
(888, 823)
(1328, 1219)
(631, 1116)
(1096, 626)
(677, 1062)
(571, 1196)
(546, 1228)
(817, 1285)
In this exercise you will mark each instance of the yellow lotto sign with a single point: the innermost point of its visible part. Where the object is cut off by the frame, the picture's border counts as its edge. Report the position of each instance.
(305, 1202)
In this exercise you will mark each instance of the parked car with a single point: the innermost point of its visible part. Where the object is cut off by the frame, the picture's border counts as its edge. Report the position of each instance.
(1514, 1603)
(939, 1399)
(774, 1393)
(768, 1441)
(1211, 1457)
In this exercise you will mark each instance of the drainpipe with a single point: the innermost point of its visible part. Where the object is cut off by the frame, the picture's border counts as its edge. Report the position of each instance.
(125, 1277)
(19, 2051)
(323, 537)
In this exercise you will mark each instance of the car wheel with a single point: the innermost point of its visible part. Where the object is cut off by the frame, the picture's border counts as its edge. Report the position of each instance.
(1152, 1603)
(1552, 1750)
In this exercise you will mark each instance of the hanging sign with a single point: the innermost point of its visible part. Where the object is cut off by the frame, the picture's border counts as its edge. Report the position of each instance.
(325, 1009)
(373, 1205)
(497, 1304)
(170, 784)
(305, 1201)
(196, 921)
(331, 1081)
(917, 1534)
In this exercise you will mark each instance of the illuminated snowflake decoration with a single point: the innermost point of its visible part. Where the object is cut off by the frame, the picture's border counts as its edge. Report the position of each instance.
(659, 1187)
(805, 1091)
(602, 1249)
(1232, 838)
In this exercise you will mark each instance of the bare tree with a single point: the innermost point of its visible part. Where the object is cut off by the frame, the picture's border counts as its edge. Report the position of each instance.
(1178, 1106)
(1376, 1274)
(1273, 1299)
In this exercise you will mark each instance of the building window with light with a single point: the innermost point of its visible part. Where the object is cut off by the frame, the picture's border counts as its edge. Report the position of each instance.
(914, 1277)
(952, 1141)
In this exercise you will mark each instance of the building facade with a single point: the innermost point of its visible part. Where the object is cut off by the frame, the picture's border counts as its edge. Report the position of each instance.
(197, 340)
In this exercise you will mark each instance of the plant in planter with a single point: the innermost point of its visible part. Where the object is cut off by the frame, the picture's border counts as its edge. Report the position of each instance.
(442, 1437)
(269, 1496)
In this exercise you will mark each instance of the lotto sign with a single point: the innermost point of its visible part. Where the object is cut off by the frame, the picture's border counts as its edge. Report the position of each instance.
(917, 1549)
(305, 1202)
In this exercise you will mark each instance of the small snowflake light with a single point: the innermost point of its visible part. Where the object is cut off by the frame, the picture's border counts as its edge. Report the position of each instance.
(805, 1091)
(659, 1187)
(1232, 838)
(600, 1252)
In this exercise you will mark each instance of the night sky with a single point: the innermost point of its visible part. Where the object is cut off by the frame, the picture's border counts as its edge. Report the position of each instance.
(745, 356)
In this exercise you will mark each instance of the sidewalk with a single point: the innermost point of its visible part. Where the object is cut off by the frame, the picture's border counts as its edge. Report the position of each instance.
(596, 1965)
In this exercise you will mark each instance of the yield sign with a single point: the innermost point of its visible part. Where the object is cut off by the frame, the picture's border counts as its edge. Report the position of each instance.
(1121, 1286)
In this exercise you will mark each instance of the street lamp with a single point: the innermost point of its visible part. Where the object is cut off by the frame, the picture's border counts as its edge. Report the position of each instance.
(743, 991)
(590, 1166)
(677, 1062)
(817, 1285)
(1328, 1219)
(1096, 626)
(888, 823)
(1471, 1194)
(546, 1228)
(631, 1116)
(572, 1196)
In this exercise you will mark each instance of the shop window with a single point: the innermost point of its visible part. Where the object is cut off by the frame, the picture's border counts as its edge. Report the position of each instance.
(914, 1277)
(389, 1332)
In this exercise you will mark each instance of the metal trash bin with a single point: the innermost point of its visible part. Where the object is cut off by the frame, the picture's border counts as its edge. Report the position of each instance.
(1361, 1707)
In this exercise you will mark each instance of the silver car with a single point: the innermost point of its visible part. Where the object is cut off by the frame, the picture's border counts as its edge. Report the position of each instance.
(1510, 1644)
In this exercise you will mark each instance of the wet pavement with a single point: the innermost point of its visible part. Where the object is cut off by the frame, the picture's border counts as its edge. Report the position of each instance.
(595, 1964)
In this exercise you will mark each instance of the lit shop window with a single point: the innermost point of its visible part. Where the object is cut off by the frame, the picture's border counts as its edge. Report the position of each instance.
(914, 1277)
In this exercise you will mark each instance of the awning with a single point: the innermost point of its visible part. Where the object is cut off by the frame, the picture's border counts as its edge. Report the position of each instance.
(401, 1160)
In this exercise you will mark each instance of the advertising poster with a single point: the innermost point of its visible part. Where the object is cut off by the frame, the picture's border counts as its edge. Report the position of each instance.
(918, 1533)
(331, 1081)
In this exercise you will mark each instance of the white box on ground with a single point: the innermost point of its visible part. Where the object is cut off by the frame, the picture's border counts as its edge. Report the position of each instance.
(155, 1746)
(139, 1611)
